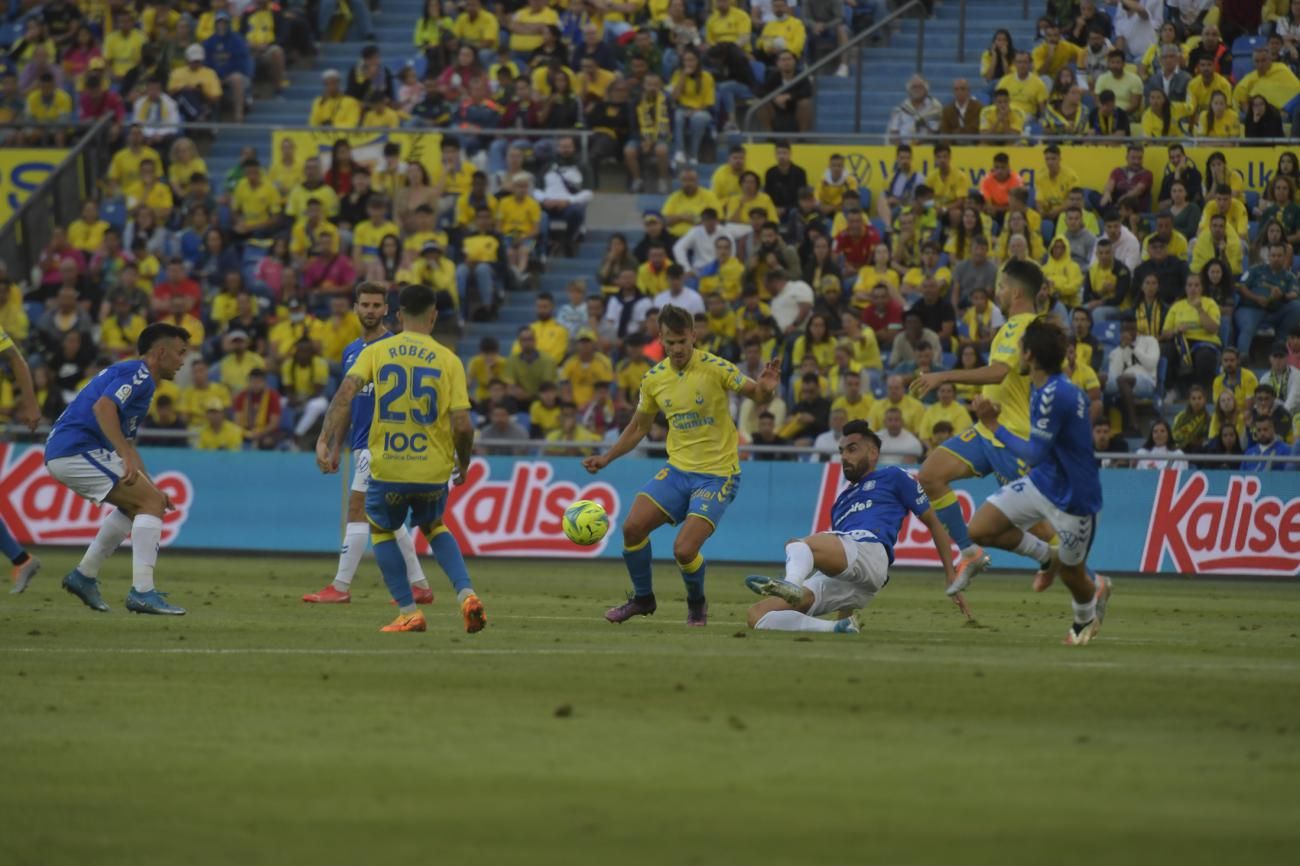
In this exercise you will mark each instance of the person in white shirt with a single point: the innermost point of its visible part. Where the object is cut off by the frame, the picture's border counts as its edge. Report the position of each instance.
(1132, 369)
(697, 249)
(1157, 446)
(792, 300)
(157, 113)
(679, 294)
(828, 444)
(898, 445)
(1284, 378)
(1126, 247)
(1136, 24)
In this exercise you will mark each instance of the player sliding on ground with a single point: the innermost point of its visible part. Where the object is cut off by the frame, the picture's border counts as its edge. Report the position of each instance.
(690, 388)
(371, 307)
(420, 438)
(841, 571)
(1063, 487)
(91, 451)
(29, 414)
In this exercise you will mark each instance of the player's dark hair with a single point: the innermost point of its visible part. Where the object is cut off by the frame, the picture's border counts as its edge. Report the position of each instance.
(1027, 277)
(368, 288)
(1046, 341)
(863, 429)
(942, 427)
(159, 331)
(416, 299)
(675, 320)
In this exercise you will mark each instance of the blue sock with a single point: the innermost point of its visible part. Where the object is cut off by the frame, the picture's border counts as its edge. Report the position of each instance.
(952, 519)
(9, 546)
(693, 575)
(392, 565)
(638, 561)
(447, 552)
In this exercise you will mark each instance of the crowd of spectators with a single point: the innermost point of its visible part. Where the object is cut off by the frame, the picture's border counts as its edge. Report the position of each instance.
(1169, 285)
(655, 81)
(159, 63)
(1134, 70)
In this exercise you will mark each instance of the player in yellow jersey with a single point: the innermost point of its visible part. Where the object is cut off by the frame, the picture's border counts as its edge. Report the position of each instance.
(975, 452)
(420, 439)
(691, 388)
(29, 414)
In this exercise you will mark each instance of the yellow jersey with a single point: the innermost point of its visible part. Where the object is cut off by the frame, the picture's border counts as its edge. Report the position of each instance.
(257, 204)
(523, 43)
(366, 237)
(194, 401)
(584, 376)
(954, 413)
(419, 384)
(229, 438)
(859, 411)
(1012, 393)
(735, 27)
(124, 170)
(6, 343)
(701, 435)
(86, 236)
(519, 219)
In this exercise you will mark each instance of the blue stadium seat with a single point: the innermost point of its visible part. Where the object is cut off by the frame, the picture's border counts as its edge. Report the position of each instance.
(113, 212)
(1108, 333)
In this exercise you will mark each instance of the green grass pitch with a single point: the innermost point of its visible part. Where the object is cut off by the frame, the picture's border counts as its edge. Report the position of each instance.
(259, 730)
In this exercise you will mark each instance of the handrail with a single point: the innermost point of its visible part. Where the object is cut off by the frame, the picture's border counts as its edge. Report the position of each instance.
(51, 179)
(837, 54)
(1027, 140)
(747, 447)
(961, 31)
(216, 126)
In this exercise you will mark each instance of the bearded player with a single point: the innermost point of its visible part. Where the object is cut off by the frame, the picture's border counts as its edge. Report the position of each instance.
(691, 388)
(91, 451)
(421, 438)
(841, 571)
(371, 307)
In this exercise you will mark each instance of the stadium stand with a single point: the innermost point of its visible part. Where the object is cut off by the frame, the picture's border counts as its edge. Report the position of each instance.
(252, 232)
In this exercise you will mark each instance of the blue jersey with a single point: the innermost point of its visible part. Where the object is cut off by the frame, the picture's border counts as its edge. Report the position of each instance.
(363, 405)
(878, 504)
(128, 384)
(1059, 447)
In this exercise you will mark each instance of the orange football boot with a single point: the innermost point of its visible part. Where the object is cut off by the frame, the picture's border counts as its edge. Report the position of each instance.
(472, 609)
(407, 622)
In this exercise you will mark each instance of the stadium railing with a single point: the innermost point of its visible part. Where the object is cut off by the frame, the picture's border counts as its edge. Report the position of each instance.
(541, 447)
(57, 201)
(840, 55)
(1026, 139)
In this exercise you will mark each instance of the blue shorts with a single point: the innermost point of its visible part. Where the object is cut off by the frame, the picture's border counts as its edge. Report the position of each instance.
(680, 494)
(388, 503)
(985, 456)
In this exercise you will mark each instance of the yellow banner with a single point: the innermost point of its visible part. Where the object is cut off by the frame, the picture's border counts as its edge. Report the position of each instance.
(422, 147)
(873, 165)
(22, 170)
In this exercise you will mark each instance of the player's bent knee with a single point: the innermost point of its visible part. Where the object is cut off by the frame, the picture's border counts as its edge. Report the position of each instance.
(685, 551)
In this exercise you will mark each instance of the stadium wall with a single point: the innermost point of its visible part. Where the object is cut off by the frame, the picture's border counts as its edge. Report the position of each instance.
(1196, 522)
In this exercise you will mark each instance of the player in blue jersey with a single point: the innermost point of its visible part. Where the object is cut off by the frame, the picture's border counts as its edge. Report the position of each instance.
(91, 451)
(1063, 486)
(371, 307)
(841, 571)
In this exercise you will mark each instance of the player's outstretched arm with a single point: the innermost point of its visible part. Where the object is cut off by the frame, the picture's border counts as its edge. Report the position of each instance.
(29, 412)
(336, 418)
(110, 423)
(927, 382)
(943, 544)
(631, 437)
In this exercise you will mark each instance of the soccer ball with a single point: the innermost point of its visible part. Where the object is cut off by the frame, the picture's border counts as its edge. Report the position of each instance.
(585, 522)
